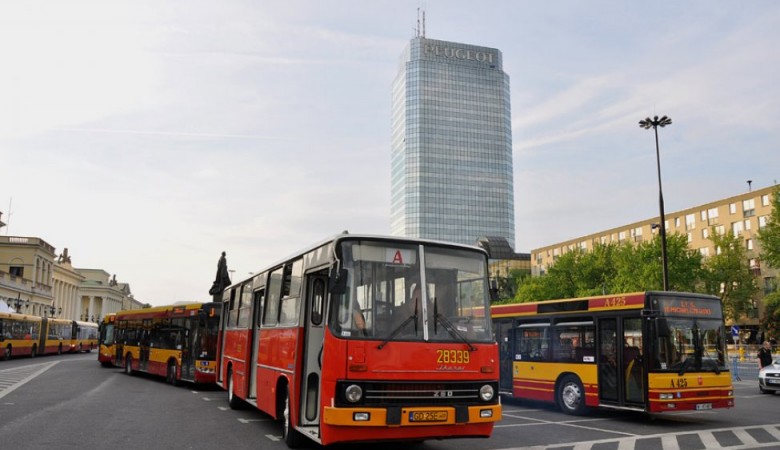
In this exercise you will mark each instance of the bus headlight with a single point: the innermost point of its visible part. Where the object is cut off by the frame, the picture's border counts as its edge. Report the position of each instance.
(353, 393)
(486, 393)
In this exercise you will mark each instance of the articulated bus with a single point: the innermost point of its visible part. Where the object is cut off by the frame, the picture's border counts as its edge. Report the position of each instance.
(25, 335)
(646, 351)
(178, 342)
(106, 352)
(330, 342)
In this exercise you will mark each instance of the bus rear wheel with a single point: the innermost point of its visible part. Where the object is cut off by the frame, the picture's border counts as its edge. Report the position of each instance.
(292, 437)
(233, 401)
(571, 395)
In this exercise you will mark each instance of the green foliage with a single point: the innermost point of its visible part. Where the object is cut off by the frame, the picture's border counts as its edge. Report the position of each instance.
(771, 319)
(727, 275)
(769, 236)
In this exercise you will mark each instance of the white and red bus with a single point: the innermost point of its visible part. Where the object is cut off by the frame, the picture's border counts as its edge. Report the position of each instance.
(323, 340)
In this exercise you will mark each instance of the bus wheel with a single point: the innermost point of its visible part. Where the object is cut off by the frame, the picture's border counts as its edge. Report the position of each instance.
(8, 352)
(292, 437)
(129, 364)
(233, 401)
(571, 395)
(172, 374)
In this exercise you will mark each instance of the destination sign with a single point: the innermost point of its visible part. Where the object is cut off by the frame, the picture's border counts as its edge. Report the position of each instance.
(689, 307)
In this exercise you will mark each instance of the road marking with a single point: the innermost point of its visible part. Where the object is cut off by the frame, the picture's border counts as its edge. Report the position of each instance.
(273, 438)
(669, 440)
(253, 420)
(18, 376)
(223, 408)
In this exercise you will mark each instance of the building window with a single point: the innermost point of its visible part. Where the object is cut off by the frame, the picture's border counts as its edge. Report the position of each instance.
(16, 271)
(749, 208)
(762, 221)
(732, 208)
(705, 251)
(690, 221)
(712, 216)
(765, 200)
(705, 233)
(622, 236)
(677, 222)
(736, 228)
(749, 244)
(720, 229)
(690, 237)
(747, 224)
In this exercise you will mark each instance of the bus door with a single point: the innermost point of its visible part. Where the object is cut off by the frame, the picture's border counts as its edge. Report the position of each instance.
(189, 345)
(222, 326)
(143, 360)
(621, 366)
(506, 357)
(253, 366)
(314, 335)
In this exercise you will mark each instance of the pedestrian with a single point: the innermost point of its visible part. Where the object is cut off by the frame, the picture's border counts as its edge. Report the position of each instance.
(765, 355)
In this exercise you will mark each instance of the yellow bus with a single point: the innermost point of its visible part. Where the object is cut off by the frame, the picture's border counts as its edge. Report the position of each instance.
(25, 335)
(84, 337)
(645, 351)
(106, 353)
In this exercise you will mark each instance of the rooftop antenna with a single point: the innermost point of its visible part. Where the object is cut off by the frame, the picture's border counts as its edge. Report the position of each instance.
(420, 31)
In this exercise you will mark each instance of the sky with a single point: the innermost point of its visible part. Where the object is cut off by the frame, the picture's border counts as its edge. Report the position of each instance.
(148, 136)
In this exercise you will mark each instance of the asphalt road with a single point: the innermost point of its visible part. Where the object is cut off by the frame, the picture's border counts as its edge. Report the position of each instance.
(69, 401)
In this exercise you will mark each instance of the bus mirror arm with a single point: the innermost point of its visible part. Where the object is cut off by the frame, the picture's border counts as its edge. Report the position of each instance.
(338, 279)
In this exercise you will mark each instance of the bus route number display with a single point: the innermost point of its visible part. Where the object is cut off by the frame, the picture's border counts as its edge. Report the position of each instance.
(690, 308)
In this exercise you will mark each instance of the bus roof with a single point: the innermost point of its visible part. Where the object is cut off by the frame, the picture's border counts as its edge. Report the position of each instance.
(177, 310)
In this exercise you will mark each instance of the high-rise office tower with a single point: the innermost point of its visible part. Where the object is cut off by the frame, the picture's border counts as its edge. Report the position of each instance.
(451, 164)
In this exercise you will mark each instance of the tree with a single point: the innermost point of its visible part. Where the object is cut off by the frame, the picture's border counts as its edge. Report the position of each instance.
(770, 322)
(639, 267)
(727, 275)
(769, 235)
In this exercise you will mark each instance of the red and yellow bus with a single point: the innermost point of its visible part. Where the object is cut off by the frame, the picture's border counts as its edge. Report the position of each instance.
(646, 351)
(178, 342)
(323, 341)
(107, 353)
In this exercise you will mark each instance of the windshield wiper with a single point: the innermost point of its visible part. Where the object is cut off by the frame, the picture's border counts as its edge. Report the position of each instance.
(449, 327)
(400, 327)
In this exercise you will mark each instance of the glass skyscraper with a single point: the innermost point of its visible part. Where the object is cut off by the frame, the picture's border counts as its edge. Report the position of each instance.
(451, 163)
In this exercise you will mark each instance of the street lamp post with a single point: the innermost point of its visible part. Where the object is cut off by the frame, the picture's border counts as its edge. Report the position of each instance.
(655, 122)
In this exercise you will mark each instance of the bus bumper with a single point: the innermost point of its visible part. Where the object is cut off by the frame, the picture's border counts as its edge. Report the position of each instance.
(411, 416)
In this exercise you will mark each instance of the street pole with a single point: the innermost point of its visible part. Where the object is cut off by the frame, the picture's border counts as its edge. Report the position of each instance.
(655, 123)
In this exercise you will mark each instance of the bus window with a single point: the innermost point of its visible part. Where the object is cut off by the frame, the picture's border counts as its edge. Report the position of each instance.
(532, 342)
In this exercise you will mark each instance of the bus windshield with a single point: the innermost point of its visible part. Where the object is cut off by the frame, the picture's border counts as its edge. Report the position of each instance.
(690, 344)
(384, 298)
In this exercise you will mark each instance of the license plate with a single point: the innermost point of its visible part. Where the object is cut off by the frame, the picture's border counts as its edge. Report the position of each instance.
(428, 416)
(703, 406)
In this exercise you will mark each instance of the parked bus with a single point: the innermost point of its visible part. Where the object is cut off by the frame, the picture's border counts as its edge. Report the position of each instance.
(323, 341)
(107, 354)
(646, 351)
(178, 342)
(19, 334)
(84, 337)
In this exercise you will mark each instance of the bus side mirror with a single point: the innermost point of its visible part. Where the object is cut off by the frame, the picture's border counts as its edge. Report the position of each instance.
(338, 280)
(662, 327)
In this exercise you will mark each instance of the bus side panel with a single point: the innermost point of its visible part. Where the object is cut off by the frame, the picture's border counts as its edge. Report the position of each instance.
(537, 380)
(158, 361)
(236, 350)
(276, 358)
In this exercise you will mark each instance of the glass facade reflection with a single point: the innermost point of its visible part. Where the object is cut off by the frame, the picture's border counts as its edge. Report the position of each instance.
(451, 163)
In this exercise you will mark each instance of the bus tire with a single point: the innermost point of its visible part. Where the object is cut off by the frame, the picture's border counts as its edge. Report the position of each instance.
(8, 352)
(292, 437)
(233, 401)
(172, 374)
(129, 364)
(571, 396)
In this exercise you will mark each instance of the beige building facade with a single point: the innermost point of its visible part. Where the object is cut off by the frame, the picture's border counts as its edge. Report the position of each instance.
(35, 280)
(744, 214)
